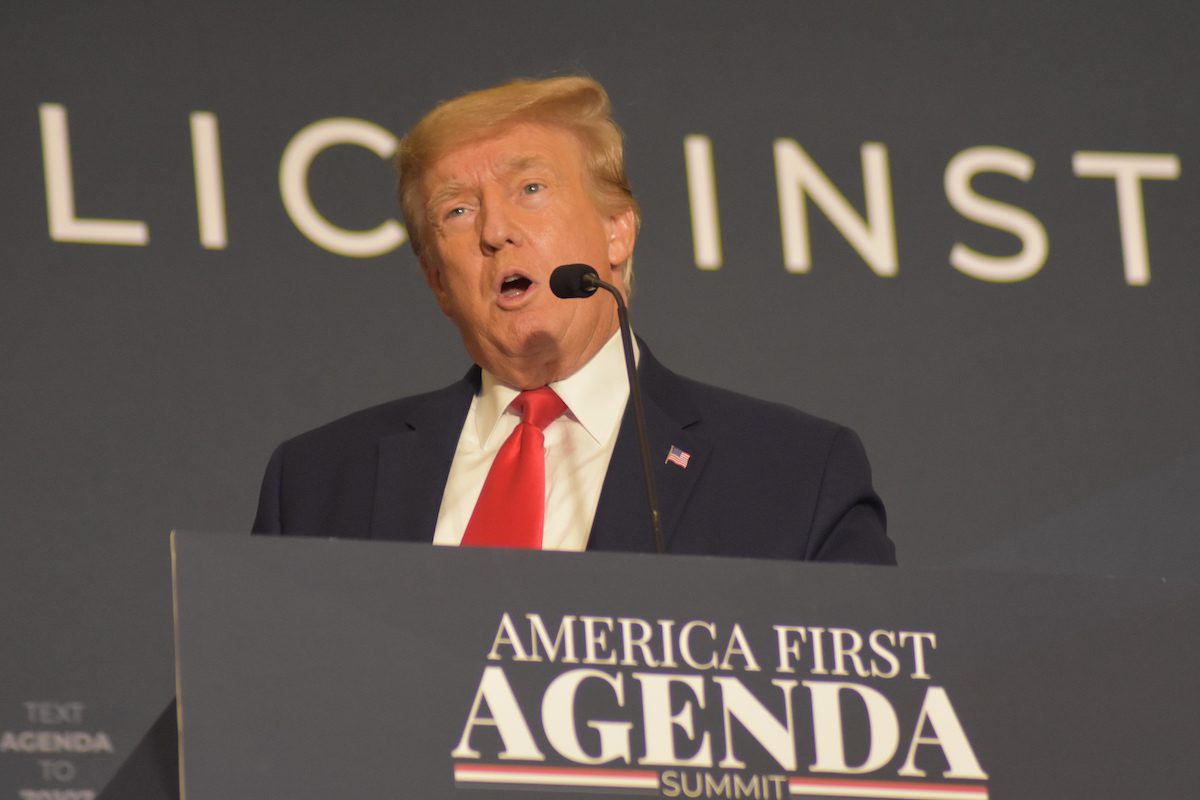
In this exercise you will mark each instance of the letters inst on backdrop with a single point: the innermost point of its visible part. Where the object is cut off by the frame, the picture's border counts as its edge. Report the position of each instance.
(799, 179)
(625, 702)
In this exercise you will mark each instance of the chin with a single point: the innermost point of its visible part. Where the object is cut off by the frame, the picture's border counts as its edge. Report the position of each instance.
(536, 343)
(513, 348)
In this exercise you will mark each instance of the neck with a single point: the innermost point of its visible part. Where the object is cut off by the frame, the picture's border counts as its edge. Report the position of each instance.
(533, 370)
(534, 373)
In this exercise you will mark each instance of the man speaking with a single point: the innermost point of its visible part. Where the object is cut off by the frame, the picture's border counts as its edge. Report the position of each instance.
(536, 447)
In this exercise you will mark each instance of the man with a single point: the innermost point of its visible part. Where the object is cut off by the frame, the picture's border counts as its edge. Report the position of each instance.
(499, 187)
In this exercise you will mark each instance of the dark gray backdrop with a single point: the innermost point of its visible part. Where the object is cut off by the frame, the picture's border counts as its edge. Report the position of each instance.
(1045, 424)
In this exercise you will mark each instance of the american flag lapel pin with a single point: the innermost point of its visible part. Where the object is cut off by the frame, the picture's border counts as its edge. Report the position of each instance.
(678, 457)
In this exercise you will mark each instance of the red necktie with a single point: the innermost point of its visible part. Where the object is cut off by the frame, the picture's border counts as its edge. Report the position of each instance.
(511, 509)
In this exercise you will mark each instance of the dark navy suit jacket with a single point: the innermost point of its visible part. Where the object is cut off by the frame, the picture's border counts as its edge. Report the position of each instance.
(763, 480)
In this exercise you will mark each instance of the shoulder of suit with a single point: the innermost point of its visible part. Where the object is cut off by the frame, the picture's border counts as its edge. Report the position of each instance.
(718, 406)
(368, 425)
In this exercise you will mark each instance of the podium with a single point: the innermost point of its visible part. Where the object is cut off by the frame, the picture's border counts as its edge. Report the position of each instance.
(312, 668)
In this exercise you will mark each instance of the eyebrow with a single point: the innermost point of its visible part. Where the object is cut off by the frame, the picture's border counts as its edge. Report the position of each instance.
(444, 194)
(508, 166)
(524, 162)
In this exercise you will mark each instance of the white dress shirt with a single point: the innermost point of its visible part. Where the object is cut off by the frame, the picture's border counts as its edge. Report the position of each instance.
(579, 445)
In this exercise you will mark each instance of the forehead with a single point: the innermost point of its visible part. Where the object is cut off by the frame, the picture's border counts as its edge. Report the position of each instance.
(511, 149)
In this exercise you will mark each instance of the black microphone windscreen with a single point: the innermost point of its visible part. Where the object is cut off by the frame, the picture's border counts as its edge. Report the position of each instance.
(572, 280)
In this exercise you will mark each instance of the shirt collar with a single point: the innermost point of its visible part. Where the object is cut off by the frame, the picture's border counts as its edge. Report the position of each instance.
(595, 395)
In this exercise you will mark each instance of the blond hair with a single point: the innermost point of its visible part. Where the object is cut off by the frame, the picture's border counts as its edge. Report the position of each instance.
(576, 103)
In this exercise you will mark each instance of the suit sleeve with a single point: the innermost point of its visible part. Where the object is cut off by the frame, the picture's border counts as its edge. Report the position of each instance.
(849, 523)
(269, 520)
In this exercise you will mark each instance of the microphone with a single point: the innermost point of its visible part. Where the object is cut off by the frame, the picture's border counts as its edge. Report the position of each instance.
(574, 280)
(579, 280)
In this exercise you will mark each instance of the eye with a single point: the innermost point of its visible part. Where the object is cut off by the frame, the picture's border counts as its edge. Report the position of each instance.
(533, 188)
(457, 211)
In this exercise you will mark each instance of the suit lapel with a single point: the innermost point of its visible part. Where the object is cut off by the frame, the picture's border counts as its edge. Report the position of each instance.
(622, 521)
(414, 464)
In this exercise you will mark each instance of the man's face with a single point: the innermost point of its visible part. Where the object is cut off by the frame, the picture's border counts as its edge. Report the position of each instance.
(505, 211)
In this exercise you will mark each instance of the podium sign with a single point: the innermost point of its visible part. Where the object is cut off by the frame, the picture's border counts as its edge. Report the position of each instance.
(330, 668)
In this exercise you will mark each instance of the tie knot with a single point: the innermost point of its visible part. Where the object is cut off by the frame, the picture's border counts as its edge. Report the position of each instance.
(539, 407)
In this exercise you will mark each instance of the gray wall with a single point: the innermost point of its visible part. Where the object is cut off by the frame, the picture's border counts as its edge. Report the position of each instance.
(1044, 423)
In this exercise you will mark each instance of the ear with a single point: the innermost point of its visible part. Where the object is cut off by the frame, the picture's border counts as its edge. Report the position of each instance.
(622, 233)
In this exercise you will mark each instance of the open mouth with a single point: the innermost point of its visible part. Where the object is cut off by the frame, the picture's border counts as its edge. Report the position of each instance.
(515, 286)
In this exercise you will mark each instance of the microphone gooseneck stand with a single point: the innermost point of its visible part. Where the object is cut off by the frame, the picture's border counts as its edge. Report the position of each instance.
(580, 280)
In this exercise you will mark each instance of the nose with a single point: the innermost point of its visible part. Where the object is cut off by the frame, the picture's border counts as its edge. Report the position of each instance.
(498, 227)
